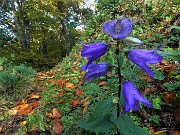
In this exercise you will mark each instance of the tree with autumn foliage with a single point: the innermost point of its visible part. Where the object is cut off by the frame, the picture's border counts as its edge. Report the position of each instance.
(38, 32)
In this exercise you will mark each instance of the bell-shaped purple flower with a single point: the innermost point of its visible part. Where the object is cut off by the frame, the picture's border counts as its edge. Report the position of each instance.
(93, 51)
(119, 28)
(94, 71)
(142, 58)
(132, 98)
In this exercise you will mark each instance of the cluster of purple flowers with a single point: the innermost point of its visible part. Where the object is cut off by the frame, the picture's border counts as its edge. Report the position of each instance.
(118, 29)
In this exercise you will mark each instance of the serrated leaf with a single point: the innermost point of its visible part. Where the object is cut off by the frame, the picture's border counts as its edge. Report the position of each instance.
(100, 125)
(126, 126)
(104, 107)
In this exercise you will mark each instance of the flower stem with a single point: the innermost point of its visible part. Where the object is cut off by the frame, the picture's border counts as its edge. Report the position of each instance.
(119, 76)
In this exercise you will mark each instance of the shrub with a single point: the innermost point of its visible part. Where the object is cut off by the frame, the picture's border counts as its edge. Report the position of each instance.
(14, 80)
(7, 81)
(24, 72)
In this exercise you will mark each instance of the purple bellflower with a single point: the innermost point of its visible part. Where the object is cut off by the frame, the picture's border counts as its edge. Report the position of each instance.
(94, 71)
(132, 98)
(142, 57)
(93, 51)
(119, 28)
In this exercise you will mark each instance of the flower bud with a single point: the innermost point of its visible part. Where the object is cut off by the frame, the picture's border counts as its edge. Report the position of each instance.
(132, 41)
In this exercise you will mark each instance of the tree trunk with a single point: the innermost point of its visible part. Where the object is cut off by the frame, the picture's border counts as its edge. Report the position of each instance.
(22, 25)
(66, 34)
(43, 48)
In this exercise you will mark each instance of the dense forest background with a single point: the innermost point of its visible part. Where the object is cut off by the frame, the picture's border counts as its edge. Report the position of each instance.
(39, 33)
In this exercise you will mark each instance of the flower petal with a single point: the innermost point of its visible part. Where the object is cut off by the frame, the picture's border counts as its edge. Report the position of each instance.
(132, 98)
(94, 71)
(142, 57)
(93, 51)
(108, 27)
(119, 28)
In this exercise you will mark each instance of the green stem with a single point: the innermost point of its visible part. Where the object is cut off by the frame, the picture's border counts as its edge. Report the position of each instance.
(119, 76)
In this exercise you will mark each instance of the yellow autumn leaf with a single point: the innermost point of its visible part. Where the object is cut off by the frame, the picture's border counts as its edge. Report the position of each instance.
(23, 123)
(160, 132)
(50, 115)
(12, 112)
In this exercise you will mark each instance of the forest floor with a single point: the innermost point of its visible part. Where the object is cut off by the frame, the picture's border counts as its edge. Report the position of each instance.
(56, 101)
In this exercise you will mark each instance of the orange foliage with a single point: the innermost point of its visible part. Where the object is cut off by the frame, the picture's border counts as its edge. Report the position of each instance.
(51, 81)
(70, 85)
(85, 100)
(60, 82)
(34, 96)
(85, 108)
(55, 113)
(102, 83)
(57, 128)
(79, 92)
(75, 103)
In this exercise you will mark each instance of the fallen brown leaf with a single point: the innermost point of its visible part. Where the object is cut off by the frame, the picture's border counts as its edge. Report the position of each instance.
(176, 133)
(40, 78)
(25, 110)
(85, 100)
(34, 104)
(22, 102)
(75, 103)
(55, 113)
(57, 128)
(51, 81)
(102, 83)
(70, 85)
(34, 96)
(19, 107)
(85, 108)
(60, 82)
(79, 92)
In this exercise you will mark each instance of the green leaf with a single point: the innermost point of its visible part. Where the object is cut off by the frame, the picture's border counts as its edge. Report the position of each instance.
(155, 118)
(158, 75)
(172, 86)
(170, 53)
(113, 116)
(156, 103)
(75, 81)
(120, 59)
(175, 27)
(102, 124)
(103, 108)
(126, 126)
(139, 29)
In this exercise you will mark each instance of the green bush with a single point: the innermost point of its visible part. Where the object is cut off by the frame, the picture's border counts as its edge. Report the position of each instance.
(7, 80)
(15, 80)
(24, 72)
